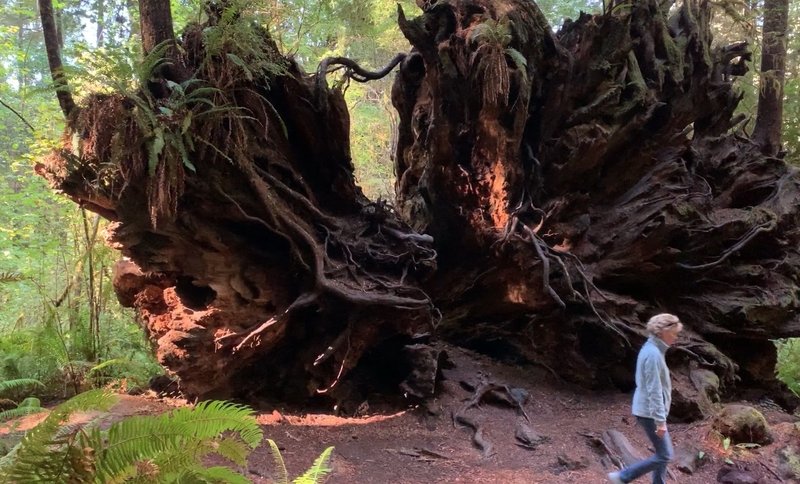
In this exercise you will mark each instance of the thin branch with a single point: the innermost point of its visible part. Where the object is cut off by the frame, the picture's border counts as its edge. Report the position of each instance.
(18, 115)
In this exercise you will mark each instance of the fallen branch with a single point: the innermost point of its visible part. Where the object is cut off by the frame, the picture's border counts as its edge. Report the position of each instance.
(771, 471)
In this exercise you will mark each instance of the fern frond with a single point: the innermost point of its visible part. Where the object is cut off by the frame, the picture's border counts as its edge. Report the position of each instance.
(112, 362)
(31, 402)
(152, 61)
(180, 431)
(40, 458)
(8, 385)
(195, 475)
(233, 449)
(210, 418)
(136, 439)
(222, 475)
(280, 475)
(496, 32)
(319, 470)
(519, 60)
(19, 412)
(10, 277)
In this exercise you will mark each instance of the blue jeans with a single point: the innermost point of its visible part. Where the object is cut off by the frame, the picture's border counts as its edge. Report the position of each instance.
(657, 464)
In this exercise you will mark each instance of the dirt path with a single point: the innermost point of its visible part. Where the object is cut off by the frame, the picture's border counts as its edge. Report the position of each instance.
(380, 449)
(422, 445)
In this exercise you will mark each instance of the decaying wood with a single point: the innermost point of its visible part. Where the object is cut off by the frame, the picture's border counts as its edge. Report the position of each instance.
(620, 148)
(554, 190)
(527, 437)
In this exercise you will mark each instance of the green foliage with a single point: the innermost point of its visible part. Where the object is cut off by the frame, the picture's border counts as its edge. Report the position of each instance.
(319, 470)
(788, 367)
(10, 277)
(317, 473)
(27, 405)
(165, 448)
(492, 32)
(173, 443)
(9, 385)
(488, 61)
(237, 46)
(281, 475)
(47, 455)
(161, 448)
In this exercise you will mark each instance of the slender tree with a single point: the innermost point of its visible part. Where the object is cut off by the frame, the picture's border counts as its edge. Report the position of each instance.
(53, 45)
(769, 120)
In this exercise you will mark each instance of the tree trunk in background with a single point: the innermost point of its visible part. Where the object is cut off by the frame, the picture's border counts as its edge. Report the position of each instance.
(554, 191)
(52, 44)
(100, 10)
(155, 21)
(767, 131)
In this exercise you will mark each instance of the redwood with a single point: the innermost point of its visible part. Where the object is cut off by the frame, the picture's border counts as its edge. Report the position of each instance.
(553, 192)
(769, 120)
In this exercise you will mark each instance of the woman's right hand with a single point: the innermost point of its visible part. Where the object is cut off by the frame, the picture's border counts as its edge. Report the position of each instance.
(661, 430)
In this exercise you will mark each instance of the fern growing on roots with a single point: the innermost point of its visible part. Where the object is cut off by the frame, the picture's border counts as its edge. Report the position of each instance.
(490, 60)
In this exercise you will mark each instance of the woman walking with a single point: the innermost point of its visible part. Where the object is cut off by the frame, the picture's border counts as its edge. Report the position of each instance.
(652, 399)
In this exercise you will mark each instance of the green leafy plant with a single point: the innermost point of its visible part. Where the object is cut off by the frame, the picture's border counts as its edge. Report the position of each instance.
(317, 473)
(788, 367)
(160, 448)
(489, 60)
(49, 454)
(24, 407)
(163, 448)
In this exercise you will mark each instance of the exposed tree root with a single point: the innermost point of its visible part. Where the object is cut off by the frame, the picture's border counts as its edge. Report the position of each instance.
(485, 446)
(554, 191)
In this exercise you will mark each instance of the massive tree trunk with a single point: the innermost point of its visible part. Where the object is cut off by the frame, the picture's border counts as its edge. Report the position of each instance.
(767, 131)
(554, 191)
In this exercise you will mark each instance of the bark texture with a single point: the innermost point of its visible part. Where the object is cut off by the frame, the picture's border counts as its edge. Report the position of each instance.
(606, 184)
(155, 23)
(553, 192)
(53, 43)
(767, 131)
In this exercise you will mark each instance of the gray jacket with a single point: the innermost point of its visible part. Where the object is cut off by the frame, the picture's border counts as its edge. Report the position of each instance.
(653, 394)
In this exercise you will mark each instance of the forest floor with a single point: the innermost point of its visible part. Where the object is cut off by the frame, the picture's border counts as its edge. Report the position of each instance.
(420, 444)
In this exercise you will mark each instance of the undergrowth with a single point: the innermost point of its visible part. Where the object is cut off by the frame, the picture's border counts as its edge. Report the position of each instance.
(788, 367)
(167, 448)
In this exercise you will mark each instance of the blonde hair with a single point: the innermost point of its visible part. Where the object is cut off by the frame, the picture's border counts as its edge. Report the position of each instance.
(660, 322)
